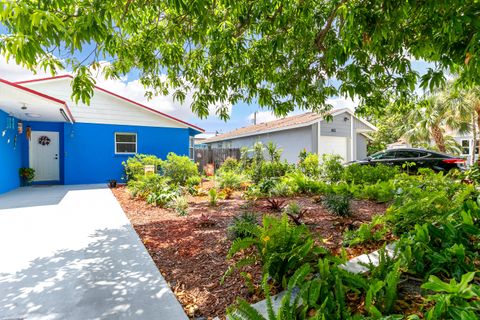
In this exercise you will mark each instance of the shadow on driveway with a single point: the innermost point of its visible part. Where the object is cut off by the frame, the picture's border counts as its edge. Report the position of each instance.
(109, 279)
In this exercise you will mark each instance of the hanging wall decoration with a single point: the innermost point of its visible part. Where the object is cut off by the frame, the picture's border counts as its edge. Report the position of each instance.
(28, 132)
(44, 140)
(20, 127)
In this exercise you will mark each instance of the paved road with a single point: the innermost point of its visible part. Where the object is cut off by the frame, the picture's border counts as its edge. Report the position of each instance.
(69, 252)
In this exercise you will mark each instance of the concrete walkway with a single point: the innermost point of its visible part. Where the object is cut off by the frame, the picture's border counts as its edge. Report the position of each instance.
(69, 252)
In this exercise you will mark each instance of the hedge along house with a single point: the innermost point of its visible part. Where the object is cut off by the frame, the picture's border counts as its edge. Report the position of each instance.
(68, 143)
(344, 134)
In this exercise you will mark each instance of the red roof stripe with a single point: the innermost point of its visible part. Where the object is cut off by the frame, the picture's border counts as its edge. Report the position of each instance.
(118, 96)
(45, 96)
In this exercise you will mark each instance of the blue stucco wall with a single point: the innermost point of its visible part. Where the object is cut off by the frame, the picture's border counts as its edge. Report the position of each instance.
(89, 149)
(43, 126)
(10, 155)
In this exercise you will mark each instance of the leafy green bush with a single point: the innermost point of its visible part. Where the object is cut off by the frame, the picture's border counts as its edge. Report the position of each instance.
(453, 300)
(162, 197)
(269, 170)
(382, 191)
(363, 174)
(306, 185)
(367, 232)
(230, 165)
(337, 204)
(179, 168)
(145, 185)
(309, 165)
(193, 181)
(424, 198)
(282, 188)
(274, 153)
(243, 226)
(135, 166)
(280, 247)
(230, 179)
(331, 168)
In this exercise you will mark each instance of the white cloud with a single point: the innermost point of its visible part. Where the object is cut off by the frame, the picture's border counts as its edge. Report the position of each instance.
(341, 102)
(262, 116)
(11, 71)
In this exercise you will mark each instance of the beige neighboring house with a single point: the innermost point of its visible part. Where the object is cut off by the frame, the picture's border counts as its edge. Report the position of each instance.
(346, 135)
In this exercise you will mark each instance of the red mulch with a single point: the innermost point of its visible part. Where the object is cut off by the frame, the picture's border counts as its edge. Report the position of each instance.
(190, 252)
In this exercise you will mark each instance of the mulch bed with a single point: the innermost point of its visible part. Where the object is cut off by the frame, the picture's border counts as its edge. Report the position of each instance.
(190, 251)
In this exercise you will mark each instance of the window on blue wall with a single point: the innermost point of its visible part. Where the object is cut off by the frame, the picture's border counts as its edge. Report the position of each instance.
(125, 143)
(191, 147)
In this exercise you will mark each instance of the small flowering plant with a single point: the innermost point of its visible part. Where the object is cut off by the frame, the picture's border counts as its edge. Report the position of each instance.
(26, 174)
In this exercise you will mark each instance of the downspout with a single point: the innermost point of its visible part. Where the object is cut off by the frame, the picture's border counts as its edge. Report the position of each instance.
(353, 153)
(318, 138)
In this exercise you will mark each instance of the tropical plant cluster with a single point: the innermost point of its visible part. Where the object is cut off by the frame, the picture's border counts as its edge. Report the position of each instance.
(433, 217)
(175, 178)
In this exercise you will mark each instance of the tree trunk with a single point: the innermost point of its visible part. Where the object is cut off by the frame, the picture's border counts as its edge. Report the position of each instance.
(438, 138)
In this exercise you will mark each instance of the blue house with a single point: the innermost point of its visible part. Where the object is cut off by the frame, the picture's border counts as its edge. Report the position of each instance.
(70, 143)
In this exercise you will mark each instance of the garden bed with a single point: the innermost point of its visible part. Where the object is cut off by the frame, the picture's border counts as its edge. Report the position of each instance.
(191, 251)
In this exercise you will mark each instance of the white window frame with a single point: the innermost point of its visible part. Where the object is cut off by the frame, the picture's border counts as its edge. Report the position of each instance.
(191, 147)
(129, 134)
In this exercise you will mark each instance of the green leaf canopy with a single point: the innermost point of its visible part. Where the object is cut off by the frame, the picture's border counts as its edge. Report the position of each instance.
(281, 54)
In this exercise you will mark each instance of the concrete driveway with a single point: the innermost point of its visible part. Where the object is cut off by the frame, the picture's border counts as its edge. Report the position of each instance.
(69, 252)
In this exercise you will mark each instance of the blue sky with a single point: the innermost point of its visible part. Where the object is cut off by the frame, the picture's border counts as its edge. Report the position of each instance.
(241, 113)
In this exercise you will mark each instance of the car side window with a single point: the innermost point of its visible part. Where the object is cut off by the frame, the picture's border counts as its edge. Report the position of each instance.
(383, 155)
(408, 154)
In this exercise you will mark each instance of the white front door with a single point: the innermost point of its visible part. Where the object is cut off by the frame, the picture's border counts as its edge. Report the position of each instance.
(44, 153)
(334, 145)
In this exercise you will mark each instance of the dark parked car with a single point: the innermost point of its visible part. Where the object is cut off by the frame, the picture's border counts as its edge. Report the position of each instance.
(420, 157)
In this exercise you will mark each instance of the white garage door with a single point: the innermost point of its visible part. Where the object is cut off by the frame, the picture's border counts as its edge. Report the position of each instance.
(334, 145)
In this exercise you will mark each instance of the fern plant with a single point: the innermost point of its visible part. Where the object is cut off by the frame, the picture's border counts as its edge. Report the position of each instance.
(280, 247)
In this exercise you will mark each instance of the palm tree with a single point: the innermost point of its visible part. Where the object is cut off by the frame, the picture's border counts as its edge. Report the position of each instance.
(431, 117)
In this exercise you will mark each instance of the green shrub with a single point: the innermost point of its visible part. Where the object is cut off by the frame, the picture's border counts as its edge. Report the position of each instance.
(230, 179)
(230, 165)
(364, 174)
(367, 232)
(382, 191)
(180, 205)
(135, 166)
(309, 165)
(193, 181)
(425, 197)
(270, 170)
(331, 168)
(161, 198)
(280, 247)
(448, 248)
(242, 226)
(338, 204)
(281, 188)
(453, 300)
(179, 168)
(145, 185)
(274, 153)
(306, 185)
